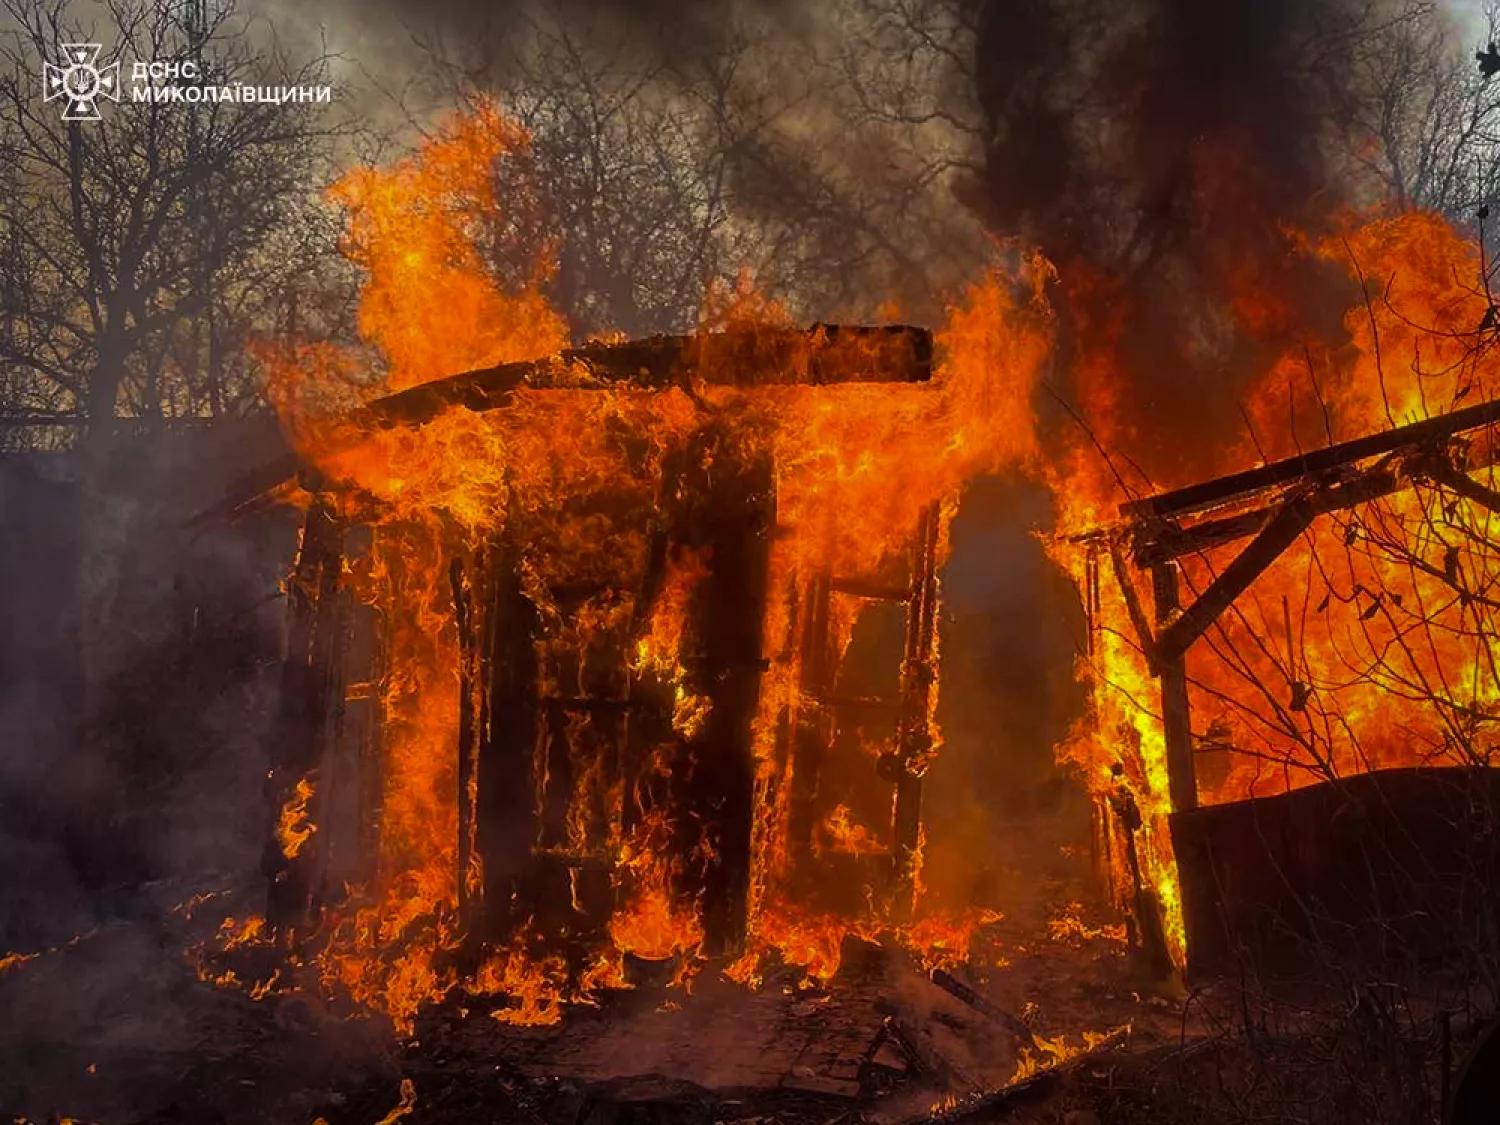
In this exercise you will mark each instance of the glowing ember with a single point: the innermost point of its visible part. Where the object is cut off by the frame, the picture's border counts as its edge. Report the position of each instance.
(1070, 926)
(1055, 1052)
(293, 828)
(404, 1107)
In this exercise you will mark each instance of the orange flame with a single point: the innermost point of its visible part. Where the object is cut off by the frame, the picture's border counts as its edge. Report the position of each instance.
(1363, 645)
(293, 828)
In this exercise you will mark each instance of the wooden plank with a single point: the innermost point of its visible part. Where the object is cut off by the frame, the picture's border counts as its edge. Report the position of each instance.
(727, 506)
(873, 591)
(1280, 532)
(1157, 543)
(1176, 719)
(814, 730)
(1133, 608)
(308, 674)
(1223, 489)
(918, 674)
(468, 750)
(981, 1004)
(505, 812)
(820, 355)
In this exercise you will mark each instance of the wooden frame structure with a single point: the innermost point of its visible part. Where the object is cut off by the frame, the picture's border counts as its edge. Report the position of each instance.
(727, 514)
(1272, 506)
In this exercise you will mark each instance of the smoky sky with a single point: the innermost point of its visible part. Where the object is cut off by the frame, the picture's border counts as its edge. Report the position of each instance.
(1098, 103)
(1157, 151)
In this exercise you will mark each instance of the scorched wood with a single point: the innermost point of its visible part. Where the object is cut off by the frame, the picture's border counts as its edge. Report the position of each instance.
(918, 674)
(1171, 666)
(506, 827)
(729, 509)
(822, 354)
(1225, 489)
(309, 678)
(814, 730)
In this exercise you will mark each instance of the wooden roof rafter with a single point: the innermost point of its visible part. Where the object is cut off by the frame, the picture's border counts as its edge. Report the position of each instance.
(820, 355)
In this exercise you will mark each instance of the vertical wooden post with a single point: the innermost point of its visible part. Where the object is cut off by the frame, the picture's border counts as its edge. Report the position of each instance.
(505, 807)
(918, 674)
(468, 748)
(812, 732)
(309, 679)
(730, 509)
(370, 799)
(1176, 718)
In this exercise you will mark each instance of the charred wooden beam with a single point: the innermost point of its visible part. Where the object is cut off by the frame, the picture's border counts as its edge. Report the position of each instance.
(982, 1004)
(729, 508)
(468, 749)
(370, 787)
(820, 355)
(877, 704)
(824, 353)
(308, 677)
(1279, 532)
(1133, 606)
(873, 591)
(814, 731)
(505, 812)
(1158, 542)
(1446, 474)
(333, 756)
(918, 674)
(1176, 718)
(1224, 489)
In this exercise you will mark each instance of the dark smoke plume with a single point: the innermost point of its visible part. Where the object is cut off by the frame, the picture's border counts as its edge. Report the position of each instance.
(1158, 151)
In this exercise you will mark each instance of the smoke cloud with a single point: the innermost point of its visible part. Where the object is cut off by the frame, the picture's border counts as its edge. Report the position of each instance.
(1159, 152)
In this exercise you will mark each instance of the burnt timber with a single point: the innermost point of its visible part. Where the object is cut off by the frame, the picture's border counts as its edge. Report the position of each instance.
(311, 707)
(821, 355)
(1220, 490)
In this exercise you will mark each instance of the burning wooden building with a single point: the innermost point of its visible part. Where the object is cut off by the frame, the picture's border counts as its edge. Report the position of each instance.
(566, 678)
(575, 694)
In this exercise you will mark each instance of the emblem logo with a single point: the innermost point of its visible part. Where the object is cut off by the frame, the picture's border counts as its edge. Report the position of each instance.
(81, 81)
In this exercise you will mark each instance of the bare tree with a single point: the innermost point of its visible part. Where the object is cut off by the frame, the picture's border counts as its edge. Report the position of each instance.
(854, 179)
(144, 249)
(623, 185)
(816, 149)
(1423, 119)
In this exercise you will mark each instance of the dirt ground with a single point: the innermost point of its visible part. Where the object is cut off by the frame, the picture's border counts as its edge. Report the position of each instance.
(116, 1028)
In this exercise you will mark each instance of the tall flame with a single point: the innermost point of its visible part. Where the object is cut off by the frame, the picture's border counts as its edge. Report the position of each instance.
(855, 467)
